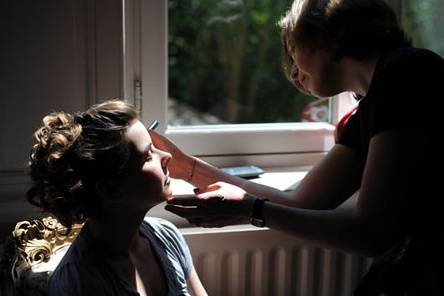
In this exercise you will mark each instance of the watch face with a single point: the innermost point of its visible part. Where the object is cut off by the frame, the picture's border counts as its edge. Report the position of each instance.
(257, 222)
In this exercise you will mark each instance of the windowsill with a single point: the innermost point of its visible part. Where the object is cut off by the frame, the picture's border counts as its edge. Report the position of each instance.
(192, 230)
(277, 138)
(285, 179)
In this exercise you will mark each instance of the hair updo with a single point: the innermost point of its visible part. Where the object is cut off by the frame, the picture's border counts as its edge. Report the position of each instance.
(71, 153)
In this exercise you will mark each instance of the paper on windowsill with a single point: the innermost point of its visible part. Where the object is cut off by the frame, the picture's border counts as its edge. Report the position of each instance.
(284, 181)
(280, 180)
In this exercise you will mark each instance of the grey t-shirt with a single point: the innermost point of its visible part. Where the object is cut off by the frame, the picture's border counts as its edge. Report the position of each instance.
(83, 271)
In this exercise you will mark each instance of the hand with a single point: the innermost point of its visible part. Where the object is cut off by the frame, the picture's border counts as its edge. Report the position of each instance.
(218, 205)
(180, 165)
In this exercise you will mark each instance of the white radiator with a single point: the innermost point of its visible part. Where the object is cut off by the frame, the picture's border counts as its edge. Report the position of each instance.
(245, 260)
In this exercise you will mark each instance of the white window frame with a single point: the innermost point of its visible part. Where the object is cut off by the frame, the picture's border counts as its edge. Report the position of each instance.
(145, 62)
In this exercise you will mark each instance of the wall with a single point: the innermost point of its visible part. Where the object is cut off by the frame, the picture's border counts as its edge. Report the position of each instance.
(55, 55)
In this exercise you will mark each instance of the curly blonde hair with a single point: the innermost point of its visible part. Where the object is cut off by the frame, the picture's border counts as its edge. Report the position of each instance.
(72, 152)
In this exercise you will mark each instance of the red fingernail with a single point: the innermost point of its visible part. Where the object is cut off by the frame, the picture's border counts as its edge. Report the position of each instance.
(212, 188)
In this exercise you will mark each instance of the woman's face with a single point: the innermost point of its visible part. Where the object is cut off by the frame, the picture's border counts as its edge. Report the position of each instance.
(315, 72)
(145, 176)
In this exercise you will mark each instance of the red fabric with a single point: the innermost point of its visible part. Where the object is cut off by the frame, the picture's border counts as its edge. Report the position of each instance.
(343, 122)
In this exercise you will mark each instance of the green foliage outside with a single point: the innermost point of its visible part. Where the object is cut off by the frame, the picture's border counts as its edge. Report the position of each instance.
(225, 60)
(225, 56)
(423, 21)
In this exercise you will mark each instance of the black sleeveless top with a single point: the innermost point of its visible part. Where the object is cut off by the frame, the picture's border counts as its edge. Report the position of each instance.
(406, 92)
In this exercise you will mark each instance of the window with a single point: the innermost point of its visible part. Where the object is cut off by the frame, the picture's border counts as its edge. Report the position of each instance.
(269, 138)
(224, 65)
(423, 21)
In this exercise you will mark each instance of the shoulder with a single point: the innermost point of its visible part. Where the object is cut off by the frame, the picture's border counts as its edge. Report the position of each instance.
(171, 240)
(162, 226)
(167, 233)
(406, 75)
(80, 272)
(159, 222)
(64, 280)
(409, 64)
(82, 279)
(410, 56)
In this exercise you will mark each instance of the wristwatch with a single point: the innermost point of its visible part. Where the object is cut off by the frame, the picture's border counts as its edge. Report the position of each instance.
(257, 216)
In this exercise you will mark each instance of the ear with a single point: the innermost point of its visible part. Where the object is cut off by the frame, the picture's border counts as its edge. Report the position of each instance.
(108, 190)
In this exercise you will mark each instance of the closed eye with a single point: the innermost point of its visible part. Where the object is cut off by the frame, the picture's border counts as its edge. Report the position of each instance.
(149, 156)
(148, 153)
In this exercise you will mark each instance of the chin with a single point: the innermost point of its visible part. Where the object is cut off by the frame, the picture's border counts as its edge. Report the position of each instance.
(167, 193)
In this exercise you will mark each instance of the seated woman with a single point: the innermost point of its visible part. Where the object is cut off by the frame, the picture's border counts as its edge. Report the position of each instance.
(101, 167)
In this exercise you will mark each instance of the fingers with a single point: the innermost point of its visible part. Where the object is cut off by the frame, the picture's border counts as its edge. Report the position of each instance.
(228, 191)
(219, 221)
(154, 135)
(180, 197)
(204, 215)
(194, 215)
(185, 212)
(209, 188)
(158, 140)
(195, 200)
(207, 209)
(183, 200)
(211, 192)
(195, 207)
(162, 142)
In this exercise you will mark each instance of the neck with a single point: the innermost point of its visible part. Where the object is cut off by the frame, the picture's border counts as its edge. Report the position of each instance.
(359, 74)
(117, 229)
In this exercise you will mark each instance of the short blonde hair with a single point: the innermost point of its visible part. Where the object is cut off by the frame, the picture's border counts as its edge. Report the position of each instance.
(355, 28)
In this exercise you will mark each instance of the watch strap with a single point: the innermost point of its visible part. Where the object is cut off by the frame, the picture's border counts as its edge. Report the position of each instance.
(257, 214)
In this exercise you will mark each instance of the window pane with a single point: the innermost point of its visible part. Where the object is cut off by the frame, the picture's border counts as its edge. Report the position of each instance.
(225, 65)
(423, 21)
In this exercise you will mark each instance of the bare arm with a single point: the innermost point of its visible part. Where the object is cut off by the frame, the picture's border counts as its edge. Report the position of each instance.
(322, 188)
(379, 218)
(330, 182)
(195, 286)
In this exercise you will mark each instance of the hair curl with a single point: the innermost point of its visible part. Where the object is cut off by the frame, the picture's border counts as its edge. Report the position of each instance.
(71, 153)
